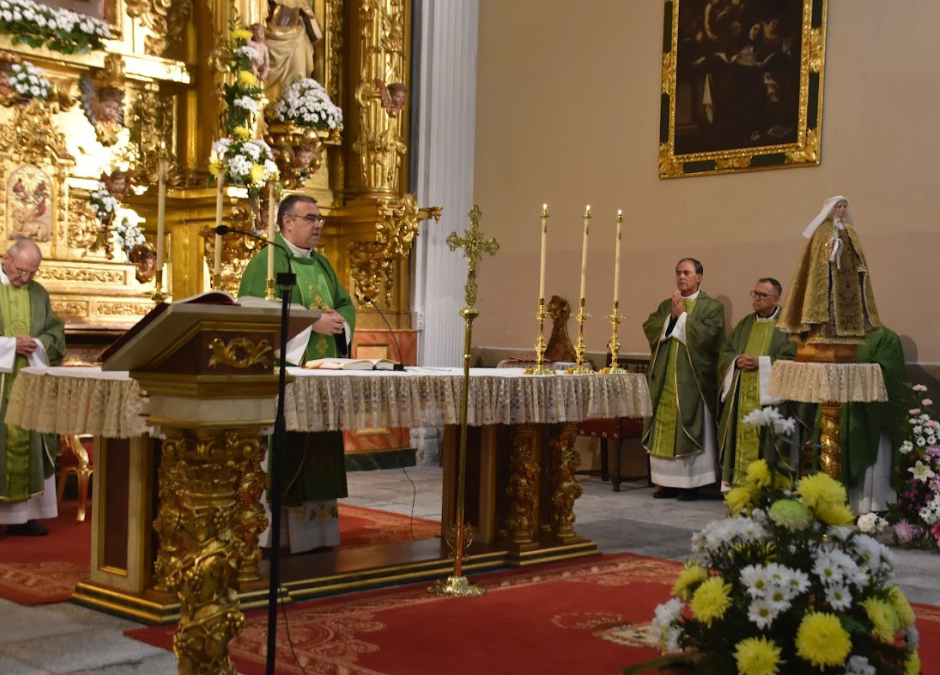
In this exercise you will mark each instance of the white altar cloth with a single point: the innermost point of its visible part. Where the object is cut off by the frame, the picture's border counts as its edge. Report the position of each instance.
(87, 400)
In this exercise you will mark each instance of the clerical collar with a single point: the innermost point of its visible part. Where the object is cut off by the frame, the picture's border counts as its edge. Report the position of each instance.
(4, 279)
(297, 251)
(694, 296)
(772, 317)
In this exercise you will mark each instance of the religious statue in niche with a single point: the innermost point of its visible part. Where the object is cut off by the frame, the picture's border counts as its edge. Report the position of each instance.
(392, 95)
(291, 34)
(104, 108)
(29, 204)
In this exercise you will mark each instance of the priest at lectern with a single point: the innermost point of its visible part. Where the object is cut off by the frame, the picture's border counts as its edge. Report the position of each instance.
(313, 469)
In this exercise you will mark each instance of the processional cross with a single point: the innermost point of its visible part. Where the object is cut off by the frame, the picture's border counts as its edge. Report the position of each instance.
(473, 247)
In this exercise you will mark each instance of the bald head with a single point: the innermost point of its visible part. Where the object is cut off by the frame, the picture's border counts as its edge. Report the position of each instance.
(27, 248)
(21, 261)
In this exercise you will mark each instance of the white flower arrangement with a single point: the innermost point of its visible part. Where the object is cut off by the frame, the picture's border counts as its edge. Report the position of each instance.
(27, 80)
(306, 103)
(248, 163)
(127, 229)
(58, 29)
(103, 204)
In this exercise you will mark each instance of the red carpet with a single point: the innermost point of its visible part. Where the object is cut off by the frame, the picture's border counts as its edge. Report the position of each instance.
(587, 617)
(44, 570)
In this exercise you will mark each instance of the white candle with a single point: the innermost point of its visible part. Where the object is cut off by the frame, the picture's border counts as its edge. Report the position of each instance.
(587, 223)
(217, 262)
(617, 257)
(544, 242)
(161, 212)
(271, 218)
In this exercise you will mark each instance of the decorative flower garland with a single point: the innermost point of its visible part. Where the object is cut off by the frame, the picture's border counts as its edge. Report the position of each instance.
(306, 103)
(59, 30)
(28, 82)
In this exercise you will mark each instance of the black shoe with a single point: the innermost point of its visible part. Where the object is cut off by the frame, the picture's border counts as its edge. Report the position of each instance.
(666, 493)
(28, 529)
(688, 495)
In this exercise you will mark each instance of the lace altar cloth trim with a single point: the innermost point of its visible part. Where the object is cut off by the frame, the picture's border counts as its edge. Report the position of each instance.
(90, 401)
(824, 382)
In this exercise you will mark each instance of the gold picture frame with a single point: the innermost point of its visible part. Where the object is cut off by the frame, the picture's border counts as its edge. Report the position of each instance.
(742, 85)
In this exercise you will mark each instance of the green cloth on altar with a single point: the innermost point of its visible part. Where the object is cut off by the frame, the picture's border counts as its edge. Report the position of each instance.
(315, 466)
(862, 424)
(27, 458)
(740, 444)
(682, 377)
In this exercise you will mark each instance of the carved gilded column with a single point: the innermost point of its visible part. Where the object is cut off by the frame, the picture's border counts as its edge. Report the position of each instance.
(250, 519)
(563, 486)
(523, 490)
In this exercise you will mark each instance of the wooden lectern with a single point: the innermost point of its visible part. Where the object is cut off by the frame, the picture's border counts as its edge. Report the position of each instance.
(209, 372)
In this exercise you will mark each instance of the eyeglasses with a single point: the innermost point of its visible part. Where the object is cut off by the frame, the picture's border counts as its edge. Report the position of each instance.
(762, 296)
(21, 273)
(310, 217)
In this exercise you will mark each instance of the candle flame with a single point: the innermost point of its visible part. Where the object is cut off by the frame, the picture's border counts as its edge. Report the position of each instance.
(587, 211)
(544, 213)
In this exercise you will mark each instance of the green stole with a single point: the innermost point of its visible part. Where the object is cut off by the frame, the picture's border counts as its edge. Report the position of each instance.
(315, 294)
(15, 308)
(747, 436)
(665, 421)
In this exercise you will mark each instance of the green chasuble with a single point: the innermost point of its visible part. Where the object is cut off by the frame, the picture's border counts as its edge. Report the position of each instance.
(682, 378)
(740, 444)
(27, 459)
(315, 466)
(862, 424)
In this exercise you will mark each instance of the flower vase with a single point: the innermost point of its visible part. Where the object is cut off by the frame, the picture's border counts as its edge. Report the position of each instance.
(298, 150)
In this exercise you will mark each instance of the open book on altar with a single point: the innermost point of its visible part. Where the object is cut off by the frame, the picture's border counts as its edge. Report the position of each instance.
(333, 363)
(168, 323)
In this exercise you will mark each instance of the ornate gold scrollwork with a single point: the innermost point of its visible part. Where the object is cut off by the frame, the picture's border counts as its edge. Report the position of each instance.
(237, 249)
(151, 130)
(668, 166)
(123, 308)
(809, 153)
(564, 487)
(298, 151)
(239, 353)
(724, 163)
(523, 486)
(396, 227)
(817, 50)
(669, 73)
(164, 19)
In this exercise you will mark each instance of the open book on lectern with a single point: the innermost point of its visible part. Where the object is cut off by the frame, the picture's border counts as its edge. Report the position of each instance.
(168, 323)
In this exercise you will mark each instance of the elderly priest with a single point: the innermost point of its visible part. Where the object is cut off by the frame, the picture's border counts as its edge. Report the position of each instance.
(313, 472)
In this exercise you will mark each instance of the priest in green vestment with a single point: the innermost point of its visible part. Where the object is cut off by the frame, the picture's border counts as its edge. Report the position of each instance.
(684, 333)
(313, 470)
(30, 334)
(744, 364)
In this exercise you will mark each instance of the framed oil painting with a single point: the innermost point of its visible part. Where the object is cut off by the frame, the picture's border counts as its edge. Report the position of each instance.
(742, 85)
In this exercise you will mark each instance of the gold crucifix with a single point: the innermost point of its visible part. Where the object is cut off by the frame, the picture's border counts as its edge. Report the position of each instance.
(473, 249)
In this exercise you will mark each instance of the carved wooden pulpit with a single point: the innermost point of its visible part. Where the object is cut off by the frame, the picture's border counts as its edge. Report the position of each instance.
(209, 372)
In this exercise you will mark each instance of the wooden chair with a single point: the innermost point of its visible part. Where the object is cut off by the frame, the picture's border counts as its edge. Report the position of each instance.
(76, 458)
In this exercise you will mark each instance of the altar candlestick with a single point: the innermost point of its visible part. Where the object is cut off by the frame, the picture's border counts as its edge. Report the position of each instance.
(617, 257)
(544, 242)
(161, 210)
(271, 218)
(587, 223)
(217, 261)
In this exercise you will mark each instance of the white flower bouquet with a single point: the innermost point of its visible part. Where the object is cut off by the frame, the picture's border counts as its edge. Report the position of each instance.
(785, 586)
(127, 229)
(248, 163)
(28, 82)
(60, 30)
(306, 104)
(103, 204)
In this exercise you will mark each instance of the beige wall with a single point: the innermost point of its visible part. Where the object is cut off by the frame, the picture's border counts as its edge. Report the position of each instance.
(568, 114)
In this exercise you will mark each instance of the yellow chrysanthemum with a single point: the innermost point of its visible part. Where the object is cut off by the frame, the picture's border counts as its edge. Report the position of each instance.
(819, 487)
(782, 481)
(214, 167)
(241, 133)
(757, 656)
(241, 34)
(789, 513)
(691, 576)
(257, 174)
(248, 78)
(902, 607)
(739, 499)
(758, 474)
(883, 618)
(822, 640)
(912, 665)
(835, 514)
(711, 600)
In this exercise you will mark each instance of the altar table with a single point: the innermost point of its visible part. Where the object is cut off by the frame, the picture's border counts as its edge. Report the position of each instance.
(520, 461)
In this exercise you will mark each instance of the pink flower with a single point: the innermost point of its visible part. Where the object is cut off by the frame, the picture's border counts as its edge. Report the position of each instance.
(935, 531)
(914, 411)
(904, 532)
(919, 387)
(927, 401)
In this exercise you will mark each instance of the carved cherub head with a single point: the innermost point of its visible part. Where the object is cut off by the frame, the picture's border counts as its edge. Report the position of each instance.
(145, 258)
(102, 106)
(117, 183)
(392, 95)
(303, 155)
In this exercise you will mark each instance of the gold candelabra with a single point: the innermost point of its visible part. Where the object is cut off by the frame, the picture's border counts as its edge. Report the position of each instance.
(269, 288)
(539, 368)
(579, 349)
(614, 344)
(159, 292)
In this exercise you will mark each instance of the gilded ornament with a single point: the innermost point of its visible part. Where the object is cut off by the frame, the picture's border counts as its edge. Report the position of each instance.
(564, 487)
(523, 485)
(122, 308)
(240, 353)
(809, 153)
(669, 73)
(72, 308)
(817, 50)
(81, 275)
(474, 246)
(725, 163)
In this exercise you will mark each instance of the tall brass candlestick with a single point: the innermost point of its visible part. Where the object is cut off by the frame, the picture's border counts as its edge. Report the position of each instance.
(579, 349)
(614, 344)
(217, 259)
(158, 291)
(269, 290)
(540, 345)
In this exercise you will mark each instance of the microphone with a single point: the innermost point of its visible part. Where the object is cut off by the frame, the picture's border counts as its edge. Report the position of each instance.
(398, 366)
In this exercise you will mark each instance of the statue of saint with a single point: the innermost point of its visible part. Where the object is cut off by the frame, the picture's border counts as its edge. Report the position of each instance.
(292, 32)
(830, 299)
